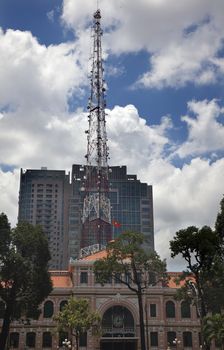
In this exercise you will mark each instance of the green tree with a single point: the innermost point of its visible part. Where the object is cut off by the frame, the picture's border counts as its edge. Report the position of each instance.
(127, 262)
(77, 318)
(25, 280)
(214, 329)
(200, 249)
(219, 225)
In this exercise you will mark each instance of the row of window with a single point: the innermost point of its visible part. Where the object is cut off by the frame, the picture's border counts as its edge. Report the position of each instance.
(172, 339)
(48, 310)
(46, 339)
(30, 340)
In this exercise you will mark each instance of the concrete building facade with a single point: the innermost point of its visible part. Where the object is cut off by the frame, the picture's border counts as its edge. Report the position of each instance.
(43, 200)
(166, 319)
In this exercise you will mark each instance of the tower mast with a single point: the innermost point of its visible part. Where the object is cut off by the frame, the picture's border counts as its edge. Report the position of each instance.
(96, 216)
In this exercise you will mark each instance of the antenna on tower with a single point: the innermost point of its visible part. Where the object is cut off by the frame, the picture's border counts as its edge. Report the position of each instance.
(96, 216)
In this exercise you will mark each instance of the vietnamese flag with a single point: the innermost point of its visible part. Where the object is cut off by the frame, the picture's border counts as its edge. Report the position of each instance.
(116, 224)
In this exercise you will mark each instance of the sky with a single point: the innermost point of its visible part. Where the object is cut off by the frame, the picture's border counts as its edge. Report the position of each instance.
(164, 69)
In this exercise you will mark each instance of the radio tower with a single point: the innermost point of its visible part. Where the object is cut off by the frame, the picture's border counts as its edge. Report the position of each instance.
(96, 218)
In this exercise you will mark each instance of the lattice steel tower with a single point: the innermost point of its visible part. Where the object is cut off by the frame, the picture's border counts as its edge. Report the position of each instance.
(96, 217)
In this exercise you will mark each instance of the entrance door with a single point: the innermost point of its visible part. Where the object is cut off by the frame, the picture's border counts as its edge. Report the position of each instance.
(121, 344)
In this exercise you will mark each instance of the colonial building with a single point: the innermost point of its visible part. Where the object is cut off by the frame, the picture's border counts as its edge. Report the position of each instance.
(170, 324)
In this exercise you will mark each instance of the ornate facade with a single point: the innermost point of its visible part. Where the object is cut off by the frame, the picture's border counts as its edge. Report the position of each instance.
(170, 324)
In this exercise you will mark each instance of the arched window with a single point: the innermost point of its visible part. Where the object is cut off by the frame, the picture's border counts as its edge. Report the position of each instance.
(187, 339)
(2, 309)
(185, 309)
(170, 309)
(118, 321)
(14, 340)
(30, 339)
(62, 337)
(47, 340)
(62, 304)
(83, 339)
(48, 309)
(171, 336)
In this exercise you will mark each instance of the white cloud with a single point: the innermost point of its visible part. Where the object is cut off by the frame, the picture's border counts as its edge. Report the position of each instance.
(32, 72)
(37, 129)
(183, 39)
(130, 135)
(183, 197)
(189, 59)
(36, 83)
(206, 132)
(9, 189)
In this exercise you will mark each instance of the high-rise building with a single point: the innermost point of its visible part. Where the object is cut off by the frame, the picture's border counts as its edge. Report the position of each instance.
(47, 198)
(44, 199)
(131, 207)
(101, 201)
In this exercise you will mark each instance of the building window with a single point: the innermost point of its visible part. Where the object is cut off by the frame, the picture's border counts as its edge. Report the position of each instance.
(171, 336)
(187, 339)
(62, 337)
(109, 280)
(152, 278)
(14, 340)
(154, 338)
(199, 338)
(128, 278)
(83, 339)
(117, 278)
(30, 340)
(47, 340)
(185, 309)
(152, 310)
(84, 277)
(62, 304)
(170, 309)
(48, 309)
(2, 309)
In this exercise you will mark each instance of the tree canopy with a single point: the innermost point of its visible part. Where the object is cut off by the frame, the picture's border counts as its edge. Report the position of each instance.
(127, 262)
(77, 318)
(214, 329)
(219, 225)
(25, 280)
(203, 251)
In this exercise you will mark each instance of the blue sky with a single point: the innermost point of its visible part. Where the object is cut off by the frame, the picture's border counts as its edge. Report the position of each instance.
(164, 66)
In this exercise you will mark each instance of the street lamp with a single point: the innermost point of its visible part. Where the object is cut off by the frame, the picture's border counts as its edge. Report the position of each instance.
(176, 342)
(67, 344)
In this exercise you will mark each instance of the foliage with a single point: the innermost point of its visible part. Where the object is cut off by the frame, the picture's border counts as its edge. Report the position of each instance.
(128, 263)
(199, 248)
(203, 251)
(214, 329)
(77, 318)
(25, 280)
(219, 225)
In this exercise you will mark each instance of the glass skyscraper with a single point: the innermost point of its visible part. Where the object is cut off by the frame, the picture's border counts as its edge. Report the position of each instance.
(131, 206)
(54, 201)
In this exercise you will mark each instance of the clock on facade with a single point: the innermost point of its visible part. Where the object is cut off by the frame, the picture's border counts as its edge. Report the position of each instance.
(118, 321)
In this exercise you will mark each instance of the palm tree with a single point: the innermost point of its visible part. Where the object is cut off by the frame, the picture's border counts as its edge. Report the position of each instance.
(214, 329)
